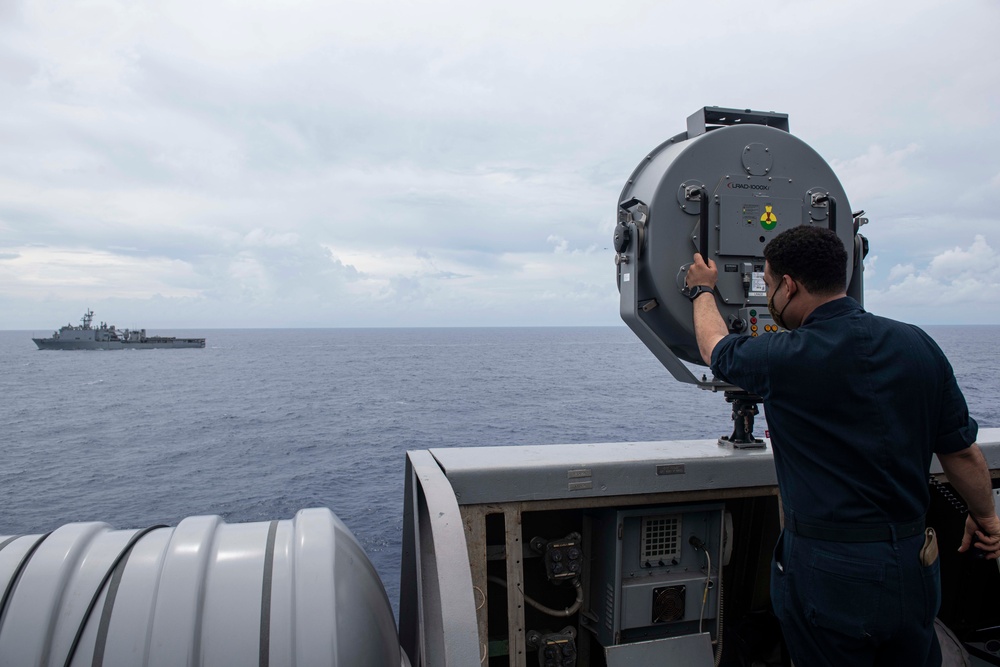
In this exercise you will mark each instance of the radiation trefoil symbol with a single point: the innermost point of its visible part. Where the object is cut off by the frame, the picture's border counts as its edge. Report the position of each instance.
(769, 219)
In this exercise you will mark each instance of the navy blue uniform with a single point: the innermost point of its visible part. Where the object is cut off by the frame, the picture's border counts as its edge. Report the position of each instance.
(855, 405)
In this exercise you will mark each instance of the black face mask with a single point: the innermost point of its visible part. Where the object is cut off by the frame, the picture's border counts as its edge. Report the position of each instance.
(775, 315)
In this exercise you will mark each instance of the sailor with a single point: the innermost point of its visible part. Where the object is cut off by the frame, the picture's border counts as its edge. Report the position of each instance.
(856, 405)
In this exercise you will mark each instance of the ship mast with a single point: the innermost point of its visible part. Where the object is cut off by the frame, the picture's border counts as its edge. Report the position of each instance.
(87, 318)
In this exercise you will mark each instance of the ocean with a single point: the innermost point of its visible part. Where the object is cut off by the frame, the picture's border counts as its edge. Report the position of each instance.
(264, 422)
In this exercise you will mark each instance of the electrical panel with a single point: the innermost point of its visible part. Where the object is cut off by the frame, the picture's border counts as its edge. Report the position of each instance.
(654, 572)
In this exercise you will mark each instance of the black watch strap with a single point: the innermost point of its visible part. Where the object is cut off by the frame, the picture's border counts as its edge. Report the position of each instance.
(693, 292)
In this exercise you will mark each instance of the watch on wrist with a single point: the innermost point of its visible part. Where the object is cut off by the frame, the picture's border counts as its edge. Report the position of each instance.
(692, 291)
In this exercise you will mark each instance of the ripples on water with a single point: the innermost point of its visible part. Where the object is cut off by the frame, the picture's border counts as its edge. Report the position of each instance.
(263, 423)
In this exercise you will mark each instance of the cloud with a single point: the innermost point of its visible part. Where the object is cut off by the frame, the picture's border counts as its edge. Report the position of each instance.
(978, 259)
(39, 272)
(878, 173)
(958, 285)
(561, 244)
(266, 269)
(268, 239)
(901, 271)
(303, 164)
(404, 288)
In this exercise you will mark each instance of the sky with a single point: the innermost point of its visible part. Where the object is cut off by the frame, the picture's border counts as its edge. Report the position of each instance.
(219, 164)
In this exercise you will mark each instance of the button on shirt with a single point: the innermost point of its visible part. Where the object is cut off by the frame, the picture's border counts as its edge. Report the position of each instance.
(855, 406)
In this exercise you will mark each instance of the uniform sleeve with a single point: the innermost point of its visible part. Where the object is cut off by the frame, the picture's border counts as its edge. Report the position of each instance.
(742, 361)
(958, 430)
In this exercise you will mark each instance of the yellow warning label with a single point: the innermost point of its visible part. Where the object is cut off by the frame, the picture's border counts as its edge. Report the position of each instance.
(768, 220)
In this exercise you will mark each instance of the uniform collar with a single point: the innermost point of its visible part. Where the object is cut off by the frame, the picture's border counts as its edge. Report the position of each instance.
(835, 308)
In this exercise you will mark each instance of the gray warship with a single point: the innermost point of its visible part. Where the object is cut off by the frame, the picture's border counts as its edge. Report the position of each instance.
(107, 337)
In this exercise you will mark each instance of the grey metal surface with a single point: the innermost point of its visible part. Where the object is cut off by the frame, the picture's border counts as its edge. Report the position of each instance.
(642, 326)
(504, 474)
(540, 472)
(623, 587)
(687, 651)
(198, 594)
(437, 611)
(755, 181)
(706, 118)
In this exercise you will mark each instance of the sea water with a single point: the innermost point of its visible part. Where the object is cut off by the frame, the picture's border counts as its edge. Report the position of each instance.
(262, 423)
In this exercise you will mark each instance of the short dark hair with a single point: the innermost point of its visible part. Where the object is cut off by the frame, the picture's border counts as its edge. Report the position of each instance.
(814, 256)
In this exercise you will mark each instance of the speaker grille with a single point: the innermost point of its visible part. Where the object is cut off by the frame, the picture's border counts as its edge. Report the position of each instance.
(660, 538)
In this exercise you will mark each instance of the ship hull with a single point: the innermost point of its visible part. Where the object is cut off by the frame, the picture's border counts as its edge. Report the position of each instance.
(50, 344)
(105, 337)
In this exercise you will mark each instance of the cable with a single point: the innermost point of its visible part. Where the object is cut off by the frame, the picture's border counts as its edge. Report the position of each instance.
(708, 585)
(718, 631)
(699, 545)
(97, 592)
(568, 611)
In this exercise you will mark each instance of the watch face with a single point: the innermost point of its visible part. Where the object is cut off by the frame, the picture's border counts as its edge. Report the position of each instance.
(693, 292)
